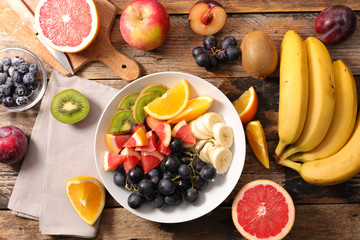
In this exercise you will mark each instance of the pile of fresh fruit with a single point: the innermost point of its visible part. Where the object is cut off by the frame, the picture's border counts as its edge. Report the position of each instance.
(17, 81)
(166, 152)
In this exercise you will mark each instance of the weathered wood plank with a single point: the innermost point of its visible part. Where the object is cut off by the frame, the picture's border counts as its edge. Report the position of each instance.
(181, 40)
(336, 221)
(246, 6)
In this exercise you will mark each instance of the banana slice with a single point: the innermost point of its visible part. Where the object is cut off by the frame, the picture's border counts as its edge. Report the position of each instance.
(198, 145)
(221, 158)
(195, 131)
(202, 127)
(223, 134)
(210, 118)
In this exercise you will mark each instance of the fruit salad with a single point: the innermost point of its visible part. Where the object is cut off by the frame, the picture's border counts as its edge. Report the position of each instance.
(165, 152)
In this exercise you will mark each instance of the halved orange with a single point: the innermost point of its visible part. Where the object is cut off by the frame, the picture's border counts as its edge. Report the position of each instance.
(256, 138)
(194, 108)
(246, 105)
(87, 196)
(170, 104)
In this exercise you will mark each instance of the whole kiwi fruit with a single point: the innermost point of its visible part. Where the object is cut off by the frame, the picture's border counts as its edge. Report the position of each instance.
(259, 54)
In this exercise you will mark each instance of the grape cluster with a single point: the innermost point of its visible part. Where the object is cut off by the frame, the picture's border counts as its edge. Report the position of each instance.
(179, 176)
(213, 53)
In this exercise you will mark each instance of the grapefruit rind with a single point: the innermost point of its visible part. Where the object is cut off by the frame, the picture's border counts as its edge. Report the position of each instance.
(291, 214)
(95, 26)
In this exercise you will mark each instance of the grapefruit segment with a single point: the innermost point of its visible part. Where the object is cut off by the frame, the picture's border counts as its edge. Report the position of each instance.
(183, 131)
(112, 160)
(262, 209)
(149, 160)
(132, 158)
(116, 141)
(67, 26)
(151, 147)
(137, 139)
(163, 131)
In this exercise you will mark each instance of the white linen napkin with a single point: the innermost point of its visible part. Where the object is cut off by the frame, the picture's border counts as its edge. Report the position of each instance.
(56, 153)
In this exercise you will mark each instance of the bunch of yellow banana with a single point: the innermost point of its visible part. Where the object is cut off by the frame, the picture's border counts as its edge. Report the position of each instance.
(326, 140)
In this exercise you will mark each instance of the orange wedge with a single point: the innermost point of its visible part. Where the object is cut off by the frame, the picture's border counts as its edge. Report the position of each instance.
(256, 138)
(194, 108)
(87, 196)
(246, 105)
(170, 104)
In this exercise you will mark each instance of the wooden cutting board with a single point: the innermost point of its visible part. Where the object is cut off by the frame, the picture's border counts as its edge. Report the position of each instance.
(100, 50)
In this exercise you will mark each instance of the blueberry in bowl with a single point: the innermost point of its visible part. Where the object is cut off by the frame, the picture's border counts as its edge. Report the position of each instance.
(23, 79)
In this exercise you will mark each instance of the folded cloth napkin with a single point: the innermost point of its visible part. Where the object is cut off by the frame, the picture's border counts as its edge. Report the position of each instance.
(56, 153)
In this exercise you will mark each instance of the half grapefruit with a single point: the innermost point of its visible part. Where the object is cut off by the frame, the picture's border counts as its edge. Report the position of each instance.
(263, 209)
(67, 26)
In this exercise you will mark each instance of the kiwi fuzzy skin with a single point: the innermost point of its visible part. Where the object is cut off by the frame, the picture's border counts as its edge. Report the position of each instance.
(259, 54)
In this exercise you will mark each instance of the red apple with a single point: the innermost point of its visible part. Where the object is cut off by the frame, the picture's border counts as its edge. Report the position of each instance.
(13, 144)
(207, 17)
(144, 24)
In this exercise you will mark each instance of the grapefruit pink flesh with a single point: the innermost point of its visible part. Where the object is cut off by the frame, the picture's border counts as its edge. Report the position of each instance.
(263, 210)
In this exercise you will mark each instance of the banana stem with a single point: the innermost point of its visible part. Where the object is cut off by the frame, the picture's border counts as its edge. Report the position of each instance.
(280, 148)
(290, 164)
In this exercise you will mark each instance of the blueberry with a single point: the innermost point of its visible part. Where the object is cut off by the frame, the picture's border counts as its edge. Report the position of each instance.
(27, 91)
(3, 77)
(23, 68)
(17, 60)
(10, 82)
(15, 96)
(191, 195)
(34, 86)
(11, 70)
(22, 101)
(8, 101)
(208, 173)
(135, 175)
(4, 90)
(146, 187)
(176, 145)
(119, 179)
(6, 61)
(1, 67)
(33, 68)
(158, 201)
(17, 77)
(135, 200)
(28, 78)
(166, 186)
(184, 171)
(20, 90)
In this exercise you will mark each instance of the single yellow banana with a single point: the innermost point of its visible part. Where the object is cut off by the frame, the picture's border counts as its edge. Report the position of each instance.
(344, 118)
(337, 168)
(321, 101)
(293, 94)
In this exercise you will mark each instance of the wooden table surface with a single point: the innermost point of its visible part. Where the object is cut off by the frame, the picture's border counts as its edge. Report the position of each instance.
(321, 212)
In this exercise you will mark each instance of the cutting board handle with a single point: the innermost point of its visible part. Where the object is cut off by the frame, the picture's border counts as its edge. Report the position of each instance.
(121, 64)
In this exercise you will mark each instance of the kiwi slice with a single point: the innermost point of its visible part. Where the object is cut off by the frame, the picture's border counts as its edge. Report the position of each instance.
(69, 106)
(154, 88)
(141, 102)
(122, 122)
(127, 102)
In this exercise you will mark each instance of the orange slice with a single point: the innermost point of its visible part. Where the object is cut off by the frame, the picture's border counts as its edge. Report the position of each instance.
(170, 104)
(246, 105)
(256, 138)
(194, 108)
(67, 26)
(87, 196)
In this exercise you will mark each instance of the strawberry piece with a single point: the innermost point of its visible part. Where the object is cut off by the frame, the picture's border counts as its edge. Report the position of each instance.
(160, 147)
(149, 160)
(152, 143)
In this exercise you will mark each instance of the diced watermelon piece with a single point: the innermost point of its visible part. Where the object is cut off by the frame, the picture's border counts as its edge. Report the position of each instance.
(152, 143)
(149, 160)
(132, 158)
(160, 147)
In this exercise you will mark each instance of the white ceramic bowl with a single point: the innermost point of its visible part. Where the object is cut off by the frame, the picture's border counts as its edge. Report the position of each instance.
(41, 78)
(216, 191)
